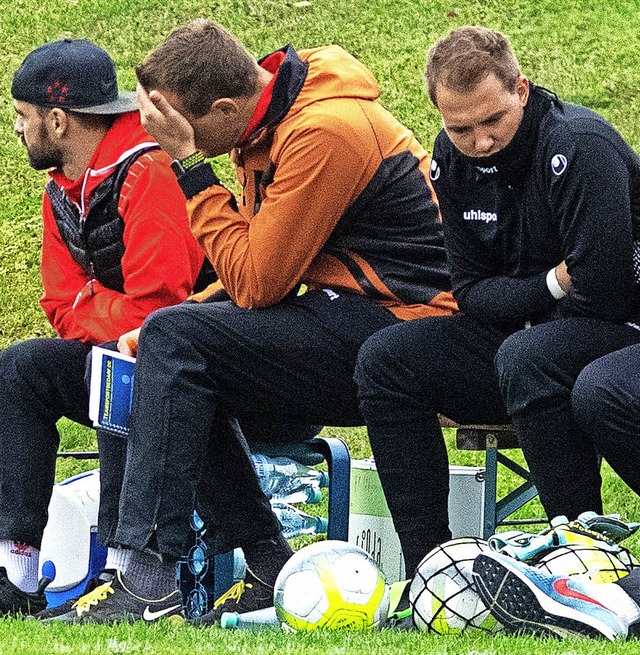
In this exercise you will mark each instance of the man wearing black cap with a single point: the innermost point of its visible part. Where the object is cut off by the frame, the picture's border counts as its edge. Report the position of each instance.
(116, 246)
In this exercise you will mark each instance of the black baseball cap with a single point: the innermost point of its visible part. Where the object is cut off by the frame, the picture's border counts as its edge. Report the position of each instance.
(72, 74)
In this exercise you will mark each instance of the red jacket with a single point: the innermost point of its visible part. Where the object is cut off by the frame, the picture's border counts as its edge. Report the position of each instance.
(161, 259)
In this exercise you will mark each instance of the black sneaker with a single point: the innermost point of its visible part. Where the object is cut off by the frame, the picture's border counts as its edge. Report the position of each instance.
(245, 596)
(14, 601)
(113, 602)
(49, 613)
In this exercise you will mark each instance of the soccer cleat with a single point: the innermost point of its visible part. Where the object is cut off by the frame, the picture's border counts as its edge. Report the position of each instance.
(529, 600)
(244, 596)
(49, 613)
(114, 602)
(589, 529)
(14, 601)
(400, 613)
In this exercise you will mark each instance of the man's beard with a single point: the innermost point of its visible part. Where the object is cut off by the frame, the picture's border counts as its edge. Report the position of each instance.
(44, 154)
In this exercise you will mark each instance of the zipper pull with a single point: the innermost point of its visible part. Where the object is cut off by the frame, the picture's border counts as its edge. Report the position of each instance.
(91, 279)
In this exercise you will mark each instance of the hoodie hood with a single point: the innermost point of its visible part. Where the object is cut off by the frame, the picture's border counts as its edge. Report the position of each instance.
(125, 137)
(308, 76)
(338, 74)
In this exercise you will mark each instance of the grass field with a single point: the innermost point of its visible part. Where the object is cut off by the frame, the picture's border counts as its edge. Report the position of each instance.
(587, 52)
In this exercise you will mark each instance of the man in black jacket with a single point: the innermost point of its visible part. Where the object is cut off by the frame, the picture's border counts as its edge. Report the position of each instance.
(540, 201)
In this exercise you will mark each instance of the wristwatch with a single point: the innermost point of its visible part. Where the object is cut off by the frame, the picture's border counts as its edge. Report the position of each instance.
(181, 166)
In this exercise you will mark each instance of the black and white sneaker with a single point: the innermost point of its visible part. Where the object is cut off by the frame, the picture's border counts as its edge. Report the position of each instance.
(15, 602)
(49, 613)
(114, 602)
(245, 596)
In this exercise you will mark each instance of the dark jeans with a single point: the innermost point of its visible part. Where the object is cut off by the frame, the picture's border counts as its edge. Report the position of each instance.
(538, 369)
(42, 380)
(409, 373)
(197, 365)
(606, 404)
(406, 375)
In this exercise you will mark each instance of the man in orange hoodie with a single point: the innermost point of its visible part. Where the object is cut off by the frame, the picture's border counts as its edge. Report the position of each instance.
(336, 199)
(116, 246)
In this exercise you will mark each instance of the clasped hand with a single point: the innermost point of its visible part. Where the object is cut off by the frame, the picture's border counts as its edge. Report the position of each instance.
(562, 275)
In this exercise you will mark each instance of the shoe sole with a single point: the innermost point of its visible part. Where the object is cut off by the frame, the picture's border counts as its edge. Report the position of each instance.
(520, 606)
(71, 618)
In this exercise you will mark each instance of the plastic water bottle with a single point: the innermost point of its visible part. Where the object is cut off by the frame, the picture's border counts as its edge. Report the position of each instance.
(239, 565)
(296, 522)
(284, 479)
(309, 495)
(256, 620)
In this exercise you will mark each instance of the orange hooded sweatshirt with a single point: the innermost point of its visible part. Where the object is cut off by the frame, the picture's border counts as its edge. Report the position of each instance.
(336, 194)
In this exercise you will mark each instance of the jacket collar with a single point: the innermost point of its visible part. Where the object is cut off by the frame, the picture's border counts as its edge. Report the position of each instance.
(514, 160)
(125, 137)
(289, 79)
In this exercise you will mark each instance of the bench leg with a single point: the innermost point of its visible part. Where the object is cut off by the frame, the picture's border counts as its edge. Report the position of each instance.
(490, 486)
(513, 501)
(336, 453)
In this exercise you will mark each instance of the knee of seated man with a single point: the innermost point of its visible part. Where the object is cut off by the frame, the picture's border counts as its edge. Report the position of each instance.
(167, 323)
(517, 355)
(402, 350)
(379, 354)
(24, 359)
(595, 396)
(522, 371)
(373, 356)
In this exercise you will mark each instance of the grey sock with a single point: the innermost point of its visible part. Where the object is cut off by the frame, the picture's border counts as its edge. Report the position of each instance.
(150, 577)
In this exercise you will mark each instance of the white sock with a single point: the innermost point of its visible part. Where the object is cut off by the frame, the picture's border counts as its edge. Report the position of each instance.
(118, 559)
(22, 562)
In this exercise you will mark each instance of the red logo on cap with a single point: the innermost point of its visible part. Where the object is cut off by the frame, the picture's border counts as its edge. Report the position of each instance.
(57, 92)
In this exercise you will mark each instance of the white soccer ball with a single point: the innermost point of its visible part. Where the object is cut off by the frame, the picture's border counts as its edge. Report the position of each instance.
(599, 565)
(442, 594)
(331, 584)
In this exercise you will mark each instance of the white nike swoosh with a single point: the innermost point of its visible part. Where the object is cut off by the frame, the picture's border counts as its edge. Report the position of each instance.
(148, 615)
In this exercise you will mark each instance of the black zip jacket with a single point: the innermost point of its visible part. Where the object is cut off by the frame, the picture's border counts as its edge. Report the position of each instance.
(567, 187)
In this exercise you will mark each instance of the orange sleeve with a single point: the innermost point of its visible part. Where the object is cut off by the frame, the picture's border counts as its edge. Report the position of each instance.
(319, 173)
(160, 263)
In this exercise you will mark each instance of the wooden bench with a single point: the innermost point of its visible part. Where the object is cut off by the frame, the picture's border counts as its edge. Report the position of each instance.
(492, 439)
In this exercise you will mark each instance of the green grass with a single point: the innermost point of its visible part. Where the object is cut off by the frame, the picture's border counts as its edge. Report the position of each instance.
(32, 639)
(583, 50)
(587, 52)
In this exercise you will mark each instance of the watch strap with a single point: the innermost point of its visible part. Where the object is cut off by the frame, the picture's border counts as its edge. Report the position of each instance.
(181, 166)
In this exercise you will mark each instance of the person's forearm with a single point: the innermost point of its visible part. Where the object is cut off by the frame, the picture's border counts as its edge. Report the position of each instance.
(505, 299)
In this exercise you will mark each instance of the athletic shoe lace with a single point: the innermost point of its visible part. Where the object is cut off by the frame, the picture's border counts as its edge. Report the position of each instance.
(233, 593)
(86, 602)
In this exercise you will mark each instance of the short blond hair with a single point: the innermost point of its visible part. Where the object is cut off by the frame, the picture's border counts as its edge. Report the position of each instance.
(463, 58)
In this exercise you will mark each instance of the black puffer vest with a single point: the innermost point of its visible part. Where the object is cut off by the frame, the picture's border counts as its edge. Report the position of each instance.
(96, 243)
